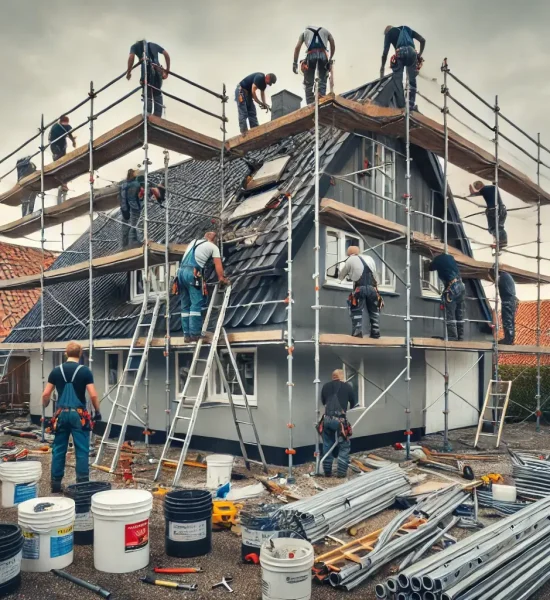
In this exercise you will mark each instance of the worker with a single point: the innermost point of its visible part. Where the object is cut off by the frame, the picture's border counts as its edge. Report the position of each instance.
(192, 285)
(490, 193)
(336, 396)
(71, 380)
(402, 39)
(156, 74)
(246, 95)
(316, 40)
(130, 195)
(453, 296)
(24, 168)
(509, 302)
(361, 270)
(57, 137)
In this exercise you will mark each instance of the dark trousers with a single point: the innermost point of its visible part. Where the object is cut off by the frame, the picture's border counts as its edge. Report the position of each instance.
(455, 309)
(406, 58)
(314, 60)
(366, 300)
(27, 206)
(155, 102)
(509, 310)
(490, 213)
(69, 424)
(332, 430)
(130, 234)
(246, 109)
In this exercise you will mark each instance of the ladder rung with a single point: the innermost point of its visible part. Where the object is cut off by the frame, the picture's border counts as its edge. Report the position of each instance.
(498, 394)
(243, 422)
(112, 444)
(137, 355)
(131, 385)
(144, 324)
(495, 407)
(488, 434)
(184, 418)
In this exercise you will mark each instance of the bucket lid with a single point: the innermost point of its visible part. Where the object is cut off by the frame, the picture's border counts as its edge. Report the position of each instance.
(20, 467)
(113, 500)
(85, 490)
(45, 509)
(220, 458)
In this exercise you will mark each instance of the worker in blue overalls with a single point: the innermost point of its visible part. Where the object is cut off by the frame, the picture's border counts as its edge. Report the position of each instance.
(192, 285)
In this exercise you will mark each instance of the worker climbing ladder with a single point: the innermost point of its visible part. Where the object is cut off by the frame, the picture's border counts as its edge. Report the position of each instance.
(493, 414)
(190, 400)
(129, 384)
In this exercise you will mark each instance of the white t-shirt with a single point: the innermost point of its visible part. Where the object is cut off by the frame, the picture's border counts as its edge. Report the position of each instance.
(308, 36)
(204, 251)
(354, 267)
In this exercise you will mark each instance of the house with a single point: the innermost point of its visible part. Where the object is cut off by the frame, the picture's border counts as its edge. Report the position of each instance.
(257, 188)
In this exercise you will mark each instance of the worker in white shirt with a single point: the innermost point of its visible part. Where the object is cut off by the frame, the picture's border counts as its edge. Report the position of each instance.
(361, 271)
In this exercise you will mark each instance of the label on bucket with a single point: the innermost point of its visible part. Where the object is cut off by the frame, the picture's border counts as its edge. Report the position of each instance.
(136, 536)
(24, 491)
(61, 542)
(83, 521)
(10, 568)
(31, 545)
(254, 537)
(187, 532)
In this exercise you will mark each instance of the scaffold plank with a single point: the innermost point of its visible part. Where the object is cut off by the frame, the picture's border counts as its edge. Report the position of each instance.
(439, 344)
(339, 339)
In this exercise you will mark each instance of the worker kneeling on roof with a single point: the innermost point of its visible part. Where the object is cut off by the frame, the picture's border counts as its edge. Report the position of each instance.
(71, 380)
(509, 303)
(361, 271)
(492, 198)
(191, 283)
(246, 95)
(453, 297)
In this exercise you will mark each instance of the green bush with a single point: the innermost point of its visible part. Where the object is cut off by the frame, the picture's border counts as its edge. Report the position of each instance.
(524, 390)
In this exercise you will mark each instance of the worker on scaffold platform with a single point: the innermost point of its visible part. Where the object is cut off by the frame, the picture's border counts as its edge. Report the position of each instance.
(453, 296)
(489, 193)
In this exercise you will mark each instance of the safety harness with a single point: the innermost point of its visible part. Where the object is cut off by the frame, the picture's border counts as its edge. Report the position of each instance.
(315, 47)
(69, 401)
(367, 279)
(335, 413)
(190, 262)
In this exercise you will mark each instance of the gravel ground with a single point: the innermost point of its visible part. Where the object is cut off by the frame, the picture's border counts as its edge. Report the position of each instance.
(225, 556)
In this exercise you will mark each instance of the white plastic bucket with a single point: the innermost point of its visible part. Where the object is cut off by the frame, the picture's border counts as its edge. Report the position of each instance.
(19, 481)
(504, 493)
(121, 530)
(48, 534)
(286, 569)
(218, 471)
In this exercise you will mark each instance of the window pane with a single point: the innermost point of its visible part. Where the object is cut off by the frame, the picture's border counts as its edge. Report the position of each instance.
(184, 364)
(331, 258)
(246, 365)
(112, 375)
(351, 241)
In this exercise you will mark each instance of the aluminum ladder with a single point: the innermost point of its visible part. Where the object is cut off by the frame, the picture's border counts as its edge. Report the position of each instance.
(494, 410)
(192, 401)
(129, 384)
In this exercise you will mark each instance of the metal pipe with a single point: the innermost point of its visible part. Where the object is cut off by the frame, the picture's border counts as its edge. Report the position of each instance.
(290, 340)
(471, 90)
(42, 296)
(445, 91)
(91, 95)
(146, 163)
(221, 97)
(537, 397)
(408, 268)
(168, 404)
(85, 584)
(202, 110)
(366, 189)
(497, 245)
(316, 277)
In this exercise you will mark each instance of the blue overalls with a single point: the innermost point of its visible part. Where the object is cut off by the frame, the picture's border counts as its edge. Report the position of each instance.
(191, 289)
(406, 57)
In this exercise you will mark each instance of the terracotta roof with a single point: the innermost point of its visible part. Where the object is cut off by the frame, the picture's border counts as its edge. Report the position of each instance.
(526, 333)
(16, 261)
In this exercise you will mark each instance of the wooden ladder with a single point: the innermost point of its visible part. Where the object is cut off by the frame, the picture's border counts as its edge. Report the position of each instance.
(494, 410)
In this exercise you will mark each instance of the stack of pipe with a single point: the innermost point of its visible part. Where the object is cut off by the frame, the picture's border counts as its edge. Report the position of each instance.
(531, 474)
(508, 560)
(345, 505)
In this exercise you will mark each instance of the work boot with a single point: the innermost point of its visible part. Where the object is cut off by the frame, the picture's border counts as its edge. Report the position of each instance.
(186, 339)
(357, 334)
(505, 342)
(375, 336)
(56, 486)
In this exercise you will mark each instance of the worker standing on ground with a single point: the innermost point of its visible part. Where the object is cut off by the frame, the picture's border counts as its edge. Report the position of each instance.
(58, 135)
(454, 294)
(317, 41)
(509, 303)
(246, 94)
(71, 380)
(156, 74)
(361, 271)
(336, 396)
(26, 167)
(402, 39)
(490, 194)
(192, 284)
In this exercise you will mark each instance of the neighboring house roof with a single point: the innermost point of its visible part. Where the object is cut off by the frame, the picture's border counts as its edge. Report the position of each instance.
(526, 333)
(16, 261)
(255, 265)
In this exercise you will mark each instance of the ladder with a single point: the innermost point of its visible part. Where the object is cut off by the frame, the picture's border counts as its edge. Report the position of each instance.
(129, 384)
(494, 410)
(5, 356)
(191, 401)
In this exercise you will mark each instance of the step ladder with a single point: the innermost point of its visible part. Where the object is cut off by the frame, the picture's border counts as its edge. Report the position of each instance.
(190, 401)
(494, 410)
(129, 384)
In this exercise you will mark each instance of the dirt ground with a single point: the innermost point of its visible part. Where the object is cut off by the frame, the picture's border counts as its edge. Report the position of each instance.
(225, 556)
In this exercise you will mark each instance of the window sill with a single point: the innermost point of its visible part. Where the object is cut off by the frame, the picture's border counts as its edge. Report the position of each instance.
(431, 298)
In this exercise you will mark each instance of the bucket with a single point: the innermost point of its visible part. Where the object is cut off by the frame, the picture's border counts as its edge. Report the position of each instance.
(47, 525)
(218, 471)
(286, 569)
(11, 544)
(188, 515)
(504, 493)
(82, 494)
(258, 524)
(121, 530)
(19, 481)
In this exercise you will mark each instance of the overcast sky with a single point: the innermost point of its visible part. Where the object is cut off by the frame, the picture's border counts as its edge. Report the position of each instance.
(51, 51)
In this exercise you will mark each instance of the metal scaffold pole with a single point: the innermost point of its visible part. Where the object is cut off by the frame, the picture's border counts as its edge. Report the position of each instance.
(316, 276)
(42, 296)
(538, 395)
(222, 161)
(146, 221)
(408, 267)
(290, 342)
(91, 234)
(497, 244)
(167, 288)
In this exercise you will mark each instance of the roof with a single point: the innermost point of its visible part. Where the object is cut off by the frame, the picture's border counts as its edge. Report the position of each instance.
(17, 261)
(526, 333)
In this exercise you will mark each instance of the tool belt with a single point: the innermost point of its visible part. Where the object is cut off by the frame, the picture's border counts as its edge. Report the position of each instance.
(85, 418)
(353, 298)
(346, 430)
(242, 94)
(304, 64)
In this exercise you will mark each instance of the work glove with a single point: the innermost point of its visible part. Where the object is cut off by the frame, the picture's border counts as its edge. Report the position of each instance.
(97, 417)
(295, 68)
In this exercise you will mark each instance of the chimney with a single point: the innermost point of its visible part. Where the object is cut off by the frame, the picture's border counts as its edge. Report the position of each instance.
(284, 103)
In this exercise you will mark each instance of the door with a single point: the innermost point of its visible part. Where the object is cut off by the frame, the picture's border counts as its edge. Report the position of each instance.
(463, 397)
(18, 381)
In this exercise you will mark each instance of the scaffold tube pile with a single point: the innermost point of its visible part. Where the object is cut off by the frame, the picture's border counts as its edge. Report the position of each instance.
(531, 475)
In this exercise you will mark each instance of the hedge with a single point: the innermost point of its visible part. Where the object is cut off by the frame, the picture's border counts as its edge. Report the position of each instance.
(524, 390)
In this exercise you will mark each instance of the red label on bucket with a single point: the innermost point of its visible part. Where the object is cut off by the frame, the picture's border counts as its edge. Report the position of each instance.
(136, 536)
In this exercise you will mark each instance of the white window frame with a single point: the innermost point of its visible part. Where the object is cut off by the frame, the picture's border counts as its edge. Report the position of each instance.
(120, 369)
(156, 283)
(178, 353)
(238, 399)
(361, 383)
(433, 280)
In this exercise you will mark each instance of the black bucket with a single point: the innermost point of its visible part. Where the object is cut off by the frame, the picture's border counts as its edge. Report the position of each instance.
(258, 524)
(82, 494)
(11, 545)
(188, 515)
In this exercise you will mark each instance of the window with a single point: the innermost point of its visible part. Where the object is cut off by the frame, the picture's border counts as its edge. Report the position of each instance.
(183, 364)
(247, 366)
(353, 376)
(113, 369)
(157, 281)
(429, 281)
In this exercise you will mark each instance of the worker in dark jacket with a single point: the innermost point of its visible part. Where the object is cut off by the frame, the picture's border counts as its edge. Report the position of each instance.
(57, 137)
(454, 293)
(402, 39)
(156, 74)
(246, 94)
(24, 168)
(316, 41)
(337, 396)
(490, 193)
(509, 303)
